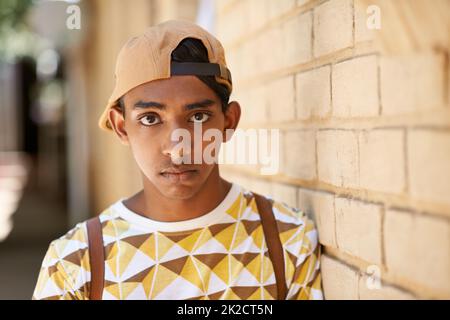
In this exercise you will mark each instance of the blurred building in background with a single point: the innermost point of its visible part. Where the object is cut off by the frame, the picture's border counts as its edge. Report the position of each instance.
(359, 89)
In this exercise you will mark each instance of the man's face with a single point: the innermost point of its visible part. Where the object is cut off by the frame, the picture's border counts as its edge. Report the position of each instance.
(153, 111)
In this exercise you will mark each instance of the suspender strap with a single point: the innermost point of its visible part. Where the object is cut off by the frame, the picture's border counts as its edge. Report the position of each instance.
(96, 258)
(273, 241)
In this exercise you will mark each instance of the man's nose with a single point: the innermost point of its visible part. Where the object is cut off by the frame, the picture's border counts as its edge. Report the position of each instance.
(177, 144)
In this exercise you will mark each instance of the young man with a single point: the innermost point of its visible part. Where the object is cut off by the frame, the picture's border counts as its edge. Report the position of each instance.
(188, 234)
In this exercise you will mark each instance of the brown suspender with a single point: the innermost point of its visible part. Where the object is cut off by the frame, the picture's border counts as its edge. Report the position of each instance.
(274, 246)
(96, 258)
(273, 241)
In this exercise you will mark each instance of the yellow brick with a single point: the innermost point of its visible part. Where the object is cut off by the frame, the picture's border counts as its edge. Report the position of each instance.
(362, 32)
(299, 160)
(285, 193)
(411, 83)
(320, 206)
(313, 93)
(258, 14)
(337, 157)
(277, 8)
(382, 160)
(297, 39)
(340, 282)
(417, 247)
(385, 292)
(355, 88)
(333, 26)
(358, 229)
(429, 165)
(280, 96)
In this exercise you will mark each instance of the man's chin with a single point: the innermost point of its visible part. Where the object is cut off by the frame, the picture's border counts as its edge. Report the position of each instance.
(178, 192)
(177, 189)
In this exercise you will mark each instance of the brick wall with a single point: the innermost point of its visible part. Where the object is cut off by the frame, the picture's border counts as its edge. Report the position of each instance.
(365, 127)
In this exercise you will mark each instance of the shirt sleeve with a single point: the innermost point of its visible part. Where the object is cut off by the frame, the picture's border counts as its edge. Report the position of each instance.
(306, 282)
(63, 274)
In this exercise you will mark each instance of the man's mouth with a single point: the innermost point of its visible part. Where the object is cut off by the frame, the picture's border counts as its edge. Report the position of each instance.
(177, 175)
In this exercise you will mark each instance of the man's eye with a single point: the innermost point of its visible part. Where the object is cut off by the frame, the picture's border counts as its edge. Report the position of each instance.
(149, 120)
(200, 117)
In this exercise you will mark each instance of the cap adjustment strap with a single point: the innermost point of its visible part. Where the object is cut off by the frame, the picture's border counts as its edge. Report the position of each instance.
(200, 69)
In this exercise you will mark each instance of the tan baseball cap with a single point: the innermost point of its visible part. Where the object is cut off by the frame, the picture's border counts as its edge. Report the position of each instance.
(147, 57)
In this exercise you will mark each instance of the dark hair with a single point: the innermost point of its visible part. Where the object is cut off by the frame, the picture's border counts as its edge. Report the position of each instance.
(193, 50)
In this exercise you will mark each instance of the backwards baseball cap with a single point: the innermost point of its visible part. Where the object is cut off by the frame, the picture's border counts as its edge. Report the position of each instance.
(147, 57)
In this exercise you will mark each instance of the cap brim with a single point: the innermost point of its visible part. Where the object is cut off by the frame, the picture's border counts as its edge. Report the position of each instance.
(103, 122)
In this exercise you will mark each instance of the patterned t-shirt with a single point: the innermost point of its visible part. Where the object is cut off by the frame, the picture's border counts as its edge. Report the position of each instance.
(219, 255)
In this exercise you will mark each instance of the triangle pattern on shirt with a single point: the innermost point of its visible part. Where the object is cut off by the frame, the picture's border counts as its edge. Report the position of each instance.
(226, 258)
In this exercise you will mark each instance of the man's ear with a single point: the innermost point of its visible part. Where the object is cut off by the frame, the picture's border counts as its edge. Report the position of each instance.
(232, 116)
(117, 121)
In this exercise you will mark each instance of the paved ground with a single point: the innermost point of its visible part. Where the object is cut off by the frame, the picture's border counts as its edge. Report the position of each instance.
(38, 219)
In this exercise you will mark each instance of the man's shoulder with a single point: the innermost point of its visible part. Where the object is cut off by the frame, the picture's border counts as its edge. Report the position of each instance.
(77, 236)
(283, 212)
(298, 232)
(73, 240)
(292, 219)
(293, 223)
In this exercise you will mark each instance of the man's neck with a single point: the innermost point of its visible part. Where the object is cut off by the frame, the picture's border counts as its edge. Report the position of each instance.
(150, 203)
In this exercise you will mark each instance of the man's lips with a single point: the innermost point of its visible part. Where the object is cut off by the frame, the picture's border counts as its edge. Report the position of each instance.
(178, 175)
(176, 171)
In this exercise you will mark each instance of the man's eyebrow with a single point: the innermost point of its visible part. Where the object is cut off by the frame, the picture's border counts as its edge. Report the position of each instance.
(198, 105)
(148, 104)
(190, 106)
